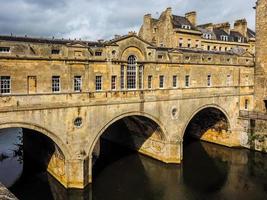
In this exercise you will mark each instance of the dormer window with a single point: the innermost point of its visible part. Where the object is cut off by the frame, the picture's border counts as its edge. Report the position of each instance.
(207, 36)
(224, 37)
(240, 39)
(4, 49)
(55, 51)
(186, 26)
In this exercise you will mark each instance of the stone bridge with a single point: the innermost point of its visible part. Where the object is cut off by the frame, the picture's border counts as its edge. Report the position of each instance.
(126, 91)
(156, 120)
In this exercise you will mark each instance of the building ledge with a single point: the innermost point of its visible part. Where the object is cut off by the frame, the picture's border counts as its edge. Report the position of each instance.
(252, 115)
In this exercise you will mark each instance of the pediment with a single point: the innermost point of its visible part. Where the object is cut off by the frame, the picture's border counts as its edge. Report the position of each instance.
(131, 39)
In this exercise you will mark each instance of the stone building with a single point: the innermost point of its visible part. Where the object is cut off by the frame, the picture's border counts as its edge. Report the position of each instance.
(154, 85)
(175, 31)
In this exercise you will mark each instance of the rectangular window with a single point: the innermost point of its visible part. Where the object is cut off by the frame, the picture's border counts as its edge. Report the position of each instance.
(180, 42)
(187, 81)
(98, 53)
(4, 49)
(122, 77)
(209, 80)
(140, 75)
(55, 83)
(5, 84)
(149, 82)
(98, 83)
(174, 81)
(161, 81)
(113, 82)
(55, 51)
(208, 48)
(77, 83)
(160, 56)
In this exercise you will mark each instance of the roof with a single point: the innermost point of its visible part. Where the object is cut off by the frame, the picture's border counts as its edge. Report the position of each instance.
(251, 33)
(188, 50)
(178, 21)
(48, 41)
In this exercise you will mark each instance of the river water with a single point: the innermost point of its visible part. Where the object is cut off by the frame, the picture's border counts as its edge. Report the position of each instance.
(208, 172)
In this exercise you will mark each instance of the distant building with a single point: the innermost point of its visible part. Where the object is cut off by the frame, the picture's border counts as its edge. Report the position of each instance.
(174, 31)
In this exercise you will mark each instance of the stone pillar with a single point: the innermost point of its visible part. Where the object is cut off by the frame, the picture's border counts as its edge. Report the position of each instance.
(261, 55)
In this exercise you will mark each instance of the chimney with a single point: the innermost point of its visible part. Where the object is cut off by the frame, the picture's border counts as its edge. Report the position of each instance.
(147, 19)
(192, 17)
(169, 11)
(241, 26)
(224, 26)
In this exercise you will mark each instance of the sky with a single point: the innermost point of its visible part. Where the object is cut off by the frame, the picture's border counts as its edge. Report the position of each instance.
(102, 19)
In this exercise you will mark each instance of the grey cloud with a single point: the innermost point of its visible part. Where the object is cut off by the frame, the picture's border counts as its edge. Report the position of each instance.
(95, 19)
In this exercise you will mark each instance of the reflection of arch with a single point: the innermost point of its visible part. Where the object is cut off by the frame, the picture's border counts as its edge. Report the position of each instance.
(119, 117)
(203, 108)
(41, 130)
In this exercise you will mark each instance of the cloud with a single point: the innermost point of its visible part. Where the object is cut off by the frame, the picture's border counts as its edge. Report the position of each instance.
(94, 19)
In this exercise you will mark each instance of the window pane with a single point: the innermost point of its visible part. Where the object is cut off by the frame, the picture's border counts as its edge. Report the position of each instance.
(187, 80)
(140, 75)
(77, 83)
(149, 82)
(209, 80)
(113, 82)
(131, 72)
(5, 84)
(55, 83)
(122, 77)
(98, 83)
(174, 81)
(161, 81)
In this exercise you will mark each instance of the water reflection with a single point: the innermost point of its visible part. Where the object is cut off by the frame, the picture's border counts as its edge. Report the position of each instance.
(208, 172)
(10, 158)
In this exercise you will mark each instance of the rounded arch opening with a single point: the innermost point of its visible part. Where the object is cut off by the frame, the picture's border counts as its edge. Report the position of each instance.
(207, 121)
(124, 136)
(202, 158)
(30, 153)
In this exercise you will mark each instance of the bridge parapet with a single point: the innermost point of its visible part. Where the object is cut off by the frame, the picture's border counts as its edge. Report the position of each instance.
(14, 102)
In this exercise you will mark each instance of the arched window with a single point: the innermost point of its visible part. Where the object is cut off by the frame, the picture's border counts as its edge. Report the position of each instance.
(131, 72)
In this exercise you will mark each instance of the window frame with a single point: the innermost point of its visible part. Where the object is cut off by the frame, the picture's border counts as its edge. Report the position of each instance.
(174, 81)
(113, 82)
(2, 88)
(98, 83)
(161, 81)
(2, 49)
(187, 81)
(209, 80)
(131, 73)
(56, 85)
(149, 82)
(77, 85)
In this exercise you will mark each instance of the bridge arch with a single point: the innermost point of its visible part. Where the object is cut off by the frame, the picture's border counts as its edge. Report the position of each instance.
(40, 130)
(125, 115)
(203, 108)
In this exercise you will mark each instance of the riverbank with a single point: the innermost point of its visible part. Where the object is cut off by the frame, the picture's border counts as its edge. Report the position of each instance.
(5, 194)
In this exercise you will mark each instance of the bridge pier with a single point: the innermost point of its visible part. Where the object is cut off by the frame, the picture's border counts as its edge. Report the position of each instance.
(71, 173)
